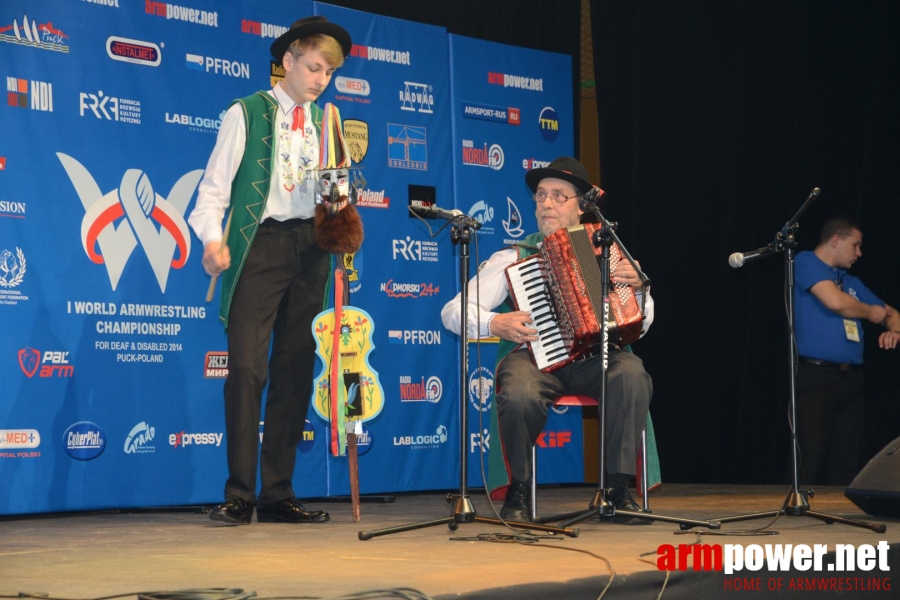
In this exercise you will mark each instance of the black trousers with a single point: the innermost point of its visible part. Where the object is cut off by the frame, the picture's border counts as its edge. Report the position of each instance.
(524, 394)
(279, 293)
(831, 410)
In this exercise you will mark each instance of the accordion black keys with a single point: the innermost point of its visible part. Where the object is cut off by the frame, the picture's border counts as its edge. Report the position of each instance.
(561, 287)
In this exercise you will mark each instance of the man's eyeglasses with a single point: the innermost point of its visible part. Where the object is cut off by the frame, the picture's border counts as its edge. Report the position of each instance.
(557, 197)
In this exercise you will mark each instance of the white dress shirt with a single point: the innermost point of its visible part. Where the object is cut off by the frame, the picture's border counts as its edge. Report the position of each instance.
(214, 193)
(488, 289)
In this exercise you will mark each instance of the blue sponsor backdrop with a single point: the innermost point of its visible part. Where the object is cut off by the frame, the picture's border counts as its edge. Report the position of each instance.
(511, 113)
(112, 364)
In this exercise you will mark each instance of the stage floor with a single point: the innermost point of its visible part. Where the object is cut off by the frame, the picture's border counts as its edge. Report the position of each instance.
(101, 554)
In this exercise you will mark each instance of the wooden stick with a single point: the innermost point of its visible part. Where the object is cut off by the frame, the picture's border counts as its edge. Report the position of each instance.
(212, 284)
(352, 455)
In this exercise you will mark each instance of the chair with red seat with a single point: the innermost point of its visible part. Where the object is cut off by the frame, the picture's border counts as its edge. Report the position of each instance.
(648, 476)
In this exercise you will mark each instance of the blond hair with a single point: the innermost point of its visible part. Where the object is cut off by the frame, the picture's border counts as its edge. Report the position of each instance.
(327, 45)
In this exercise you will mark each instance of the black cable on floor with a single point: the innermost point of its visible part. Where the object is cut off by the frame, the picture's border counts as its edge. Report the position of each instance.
(528, 539)
(236, 594)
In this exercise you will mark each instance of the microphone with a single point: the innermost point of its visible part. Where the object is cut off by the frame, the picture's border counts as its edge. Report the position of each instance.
(436, 212)
(738, 259)
(590, 199)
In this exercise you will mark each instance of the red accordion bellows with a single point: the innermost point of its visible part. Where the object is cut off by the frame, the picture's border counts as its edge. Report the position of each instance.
(561, 287)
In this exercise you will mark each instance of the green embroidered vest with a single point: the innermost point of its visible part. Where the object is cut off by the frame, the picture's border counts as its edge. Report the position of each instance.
(250, 188)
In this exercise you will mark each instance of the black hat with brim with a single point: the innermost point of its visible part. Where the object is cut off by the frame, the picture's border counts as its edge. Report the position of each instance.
(311, 26)
(565, 168)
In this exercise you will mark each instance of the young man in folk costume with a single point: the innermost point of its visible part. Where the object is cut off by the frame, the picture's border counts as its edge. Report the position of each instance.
(274, 266)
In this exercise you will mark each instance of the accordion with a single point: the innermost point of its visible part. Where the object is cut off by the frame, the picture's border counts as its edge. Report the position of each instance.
(561, 287)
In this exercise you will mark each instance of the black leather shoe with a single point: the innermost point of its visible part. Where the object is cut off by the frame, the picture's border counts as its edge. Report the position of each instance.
(622, 500)
(289, 510)
(516, 506)
(235, 510)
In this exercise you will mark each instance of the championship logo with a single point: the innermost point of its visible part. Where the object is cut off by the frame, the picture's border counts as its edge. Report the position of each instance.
(216, 365)
(20, 438)
(29, 359)
(352, 85)
(117, 221)
(84, 440)
(276, 73)
(12, 268)
(364, 441)
(34, 34)
(513, 222)
(481, 388)
(133, 51)
(484, 156)
(139, 438)
(52, 363)
(308, 441)
(482, 212)
(357, 135)
(34, 95)
(417, 97)
(407, 147)
(353, 266)
(549, 124)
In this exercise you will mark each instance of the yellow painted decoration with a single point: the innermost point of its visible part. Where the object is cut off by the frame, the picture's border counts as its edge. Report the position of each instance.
(355, 343)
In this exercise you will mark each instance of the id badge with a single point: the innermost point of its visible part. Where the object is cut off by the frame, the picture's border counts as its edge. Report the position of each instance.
(851, 330)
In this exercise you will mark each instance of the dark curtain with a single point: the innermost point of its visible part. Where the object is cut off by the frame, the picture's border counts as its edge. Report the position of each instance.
(717, 119)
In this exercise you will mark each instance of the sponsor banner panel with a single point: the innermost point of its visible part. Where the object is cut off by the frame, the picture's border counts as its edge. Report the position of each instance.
(560, 449)
(112, 362)
(511, 114)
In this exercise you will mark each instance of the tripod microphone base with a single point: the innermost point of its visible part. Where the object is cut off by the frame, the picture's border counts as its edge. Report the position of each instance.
(602, 508)
(684, 524)
(826, 518)
(796, 505)
(829, 519)
(601, 502)
(463, 511)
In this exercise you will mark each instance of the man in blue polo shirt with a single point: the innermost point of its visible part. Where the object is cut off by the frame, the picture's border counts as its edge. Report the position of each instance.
(830, 305)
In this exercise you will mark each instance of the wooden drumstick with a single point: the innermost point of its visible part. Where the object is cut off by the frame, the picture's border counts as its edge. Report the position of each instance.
(353, 462)
(212, 284)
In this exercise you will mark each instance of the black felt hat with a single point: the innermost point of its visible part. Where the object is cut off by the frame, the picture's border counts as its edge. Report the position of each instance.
(311, 26)
(565, 168)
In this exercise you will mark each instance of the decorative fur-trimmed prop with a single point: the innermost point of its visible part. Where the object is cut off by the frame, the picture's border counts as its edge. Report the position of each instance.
(338, 233)
(338, 227)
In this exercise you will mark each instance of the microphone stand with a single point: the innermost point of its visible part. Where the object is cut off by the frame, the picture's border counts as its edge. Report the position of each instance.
(796, 503)
(601, 506)
(462, 510)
